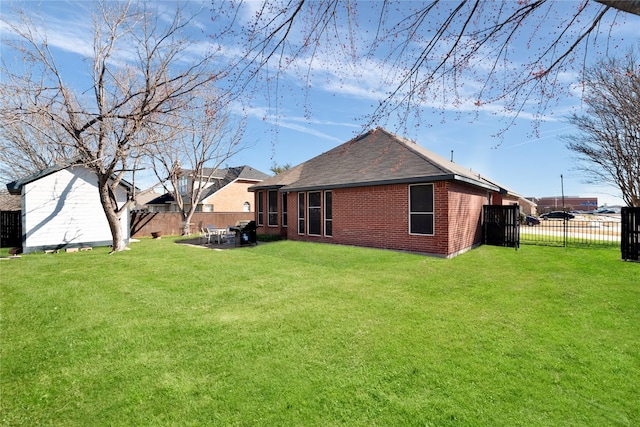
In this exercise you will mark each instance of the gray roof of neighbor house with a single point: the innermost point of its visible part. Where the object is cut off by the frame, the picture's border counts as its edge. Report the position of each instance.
(374, 158)
(221, 178)
(15, 187)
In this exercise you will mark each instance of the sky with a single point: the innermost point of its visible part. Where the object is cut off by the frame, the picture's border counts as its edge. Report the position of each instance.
(319, 110)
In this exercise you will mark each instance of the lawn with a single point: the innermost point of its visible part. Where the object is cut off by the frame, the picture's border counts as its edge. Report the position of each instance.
(299, 334)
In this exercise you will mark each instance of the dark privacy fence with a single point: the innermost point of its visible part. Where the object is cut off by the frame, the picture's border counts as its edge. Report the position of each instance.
(501, 226)
(10, 229)
(630, 233)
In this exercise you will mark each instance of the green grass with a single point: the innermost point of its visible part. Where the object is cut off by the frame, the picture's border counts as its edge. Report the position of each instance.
(291, 333)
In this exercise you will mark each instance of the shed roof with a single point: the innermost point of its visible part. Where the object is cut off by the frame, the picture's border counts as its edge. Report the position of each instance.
(15, 187)
(374, 158)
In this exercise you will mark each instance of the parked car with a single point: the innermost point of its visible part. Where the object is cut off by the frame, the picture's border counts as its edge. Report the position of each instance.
(531, 220)
(557, 215)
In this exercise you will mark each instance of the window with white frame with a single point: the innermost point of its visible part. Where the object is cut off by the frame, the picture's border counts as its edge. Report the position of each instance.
(272, 208)
(284, 209)
(314, 209)
(260, 208)
(183, 185)
(328, 213)
(421, 209)
(300, 213)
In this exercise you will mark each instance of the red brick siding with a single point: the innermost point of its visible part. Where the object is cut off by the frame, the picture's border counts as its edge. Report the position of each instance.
(465, 216)
(378, 217)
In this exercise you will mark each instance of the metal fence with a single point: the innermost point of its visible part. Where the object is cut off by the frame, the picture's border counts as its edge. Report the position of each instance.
(630, 245)
(501, 225)
(582, 231)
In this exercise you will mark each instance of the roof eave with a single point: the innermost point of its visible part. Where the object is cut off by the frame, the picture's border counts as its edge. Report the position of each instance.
(258, 187)
(411, 180)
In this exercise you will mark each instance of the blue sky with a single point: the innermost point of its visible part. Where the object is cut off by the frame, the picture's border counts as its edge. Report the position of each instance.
(316, 114)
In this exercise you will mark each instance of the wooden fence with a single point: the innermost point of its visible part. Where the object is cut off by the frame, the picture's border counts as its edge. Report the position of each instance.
(170, 223)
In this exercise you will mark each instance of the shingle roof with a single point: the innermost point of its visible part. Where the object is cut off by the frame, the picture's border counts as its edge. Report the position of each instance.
(231, 174)
(374, 158)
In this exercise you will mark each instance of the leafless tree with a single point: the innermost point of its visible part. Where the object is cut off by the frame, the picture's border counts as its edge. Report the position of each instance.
(426, 53)
(140, 69)
(28, 147)
(187, 157)
(608, 145)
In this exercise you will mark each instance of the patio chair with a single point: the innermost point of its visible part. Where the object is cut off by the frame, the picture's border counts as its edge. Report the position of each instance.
(205, 235)
(230, 236)
(214, 233)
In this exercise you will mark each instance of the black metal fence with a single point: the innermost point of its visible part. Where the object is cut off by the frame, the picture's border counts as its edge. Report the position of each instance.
(582, 231)
(501, 225)
(630, 233)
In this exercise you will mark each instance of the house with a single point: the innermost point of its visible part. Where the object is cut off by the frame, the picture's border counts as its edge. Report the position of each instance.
(382, 191)
(60, 208)
(227, 190)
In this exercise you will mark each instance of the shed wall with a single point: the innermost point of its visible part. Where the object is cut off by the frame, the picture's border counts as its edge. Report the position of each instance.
(63, 209)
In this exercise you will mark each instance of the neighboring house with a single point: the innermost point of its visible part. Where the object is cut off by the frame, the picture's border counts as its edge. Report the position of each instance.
(144, 197)
(61, 209)
(9, 202)
(382, 191)
(227, 191)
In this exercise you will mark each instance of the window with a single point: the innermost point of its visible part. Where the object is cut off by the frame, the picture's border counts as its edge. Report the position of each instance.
(260, 208)
(182, 185)
(284, 209)
(421, 209)
(300, 213)
(328, 214)
(315, 213)
(272, 206)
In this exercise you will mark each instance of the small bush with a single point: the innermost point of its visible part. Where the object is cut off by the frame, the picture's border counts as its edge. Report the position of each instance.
(269, 237)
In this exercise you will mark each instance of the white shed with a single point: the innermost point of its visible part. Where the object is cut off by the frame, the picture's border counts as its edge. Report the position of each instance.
(61, 209)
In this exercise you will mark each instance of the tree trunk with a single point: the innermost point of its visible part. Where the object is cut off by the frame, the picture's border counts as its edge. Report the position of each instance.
(114, 216)
(186, 222)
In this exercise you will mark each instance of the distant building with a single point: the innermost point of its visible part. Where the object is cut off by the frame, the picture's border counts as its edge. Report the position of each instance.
(225, 191)
(571, 203)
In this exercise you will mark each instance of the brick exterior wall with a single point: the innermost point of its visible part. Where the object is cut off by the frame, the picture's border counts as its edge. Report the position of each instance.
(465, 216)
(232, 197)
(378, 217)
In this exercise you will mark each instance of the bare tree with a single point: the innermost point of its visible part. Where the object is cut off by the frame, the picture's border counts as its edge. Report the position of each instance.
(201, 139)
(140, 70)
(608, 146)
(28, 147)
(422, 50)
